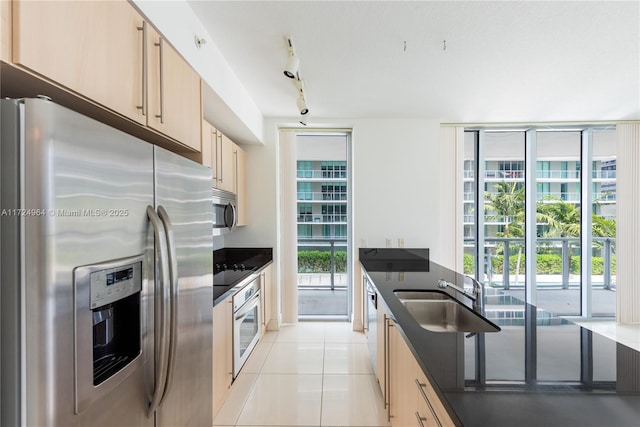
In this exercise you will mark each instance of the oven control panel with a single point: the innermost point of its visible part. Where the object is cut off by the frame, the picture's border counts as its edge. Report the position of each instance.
(245, 294)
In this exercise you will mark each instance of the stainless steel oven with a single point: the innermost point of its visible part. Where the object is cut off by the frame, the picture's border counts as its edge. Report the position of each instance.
(225, 212)
(246, 322)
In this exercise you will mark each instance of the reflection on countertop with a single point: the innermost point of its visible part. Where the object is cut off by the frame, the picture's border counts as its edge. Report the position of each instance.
(538, 370)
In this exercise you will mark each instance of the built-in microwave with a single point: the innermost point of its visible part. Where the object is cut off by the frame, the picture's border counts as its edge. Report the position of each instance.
(225, 212)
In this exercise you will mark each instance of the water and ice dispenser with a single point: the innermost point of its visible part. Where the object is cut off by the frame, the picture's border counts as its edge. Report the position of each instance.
(107, 325)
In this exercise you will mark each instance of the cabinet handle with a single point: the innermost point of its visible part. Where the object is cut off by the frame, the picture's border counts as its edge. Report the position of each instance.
(235, 159)
(387, 356)
(214, 137)
(143, 107)
(160, 45)
(221, 162)
(421, 387)
(420, 419)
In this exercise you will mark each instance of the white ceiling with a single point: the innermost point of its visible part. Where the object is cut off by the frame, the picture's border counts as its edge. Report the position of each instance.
(505, 61)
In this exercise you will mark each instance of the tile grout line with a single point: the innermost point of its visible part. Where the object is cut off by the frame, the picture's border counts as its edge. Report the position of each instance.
(253, 385)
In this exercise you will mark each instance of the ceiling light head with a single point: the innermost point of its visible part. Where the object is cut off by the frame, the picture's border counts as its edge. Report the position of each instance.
(304, 120)
(302, 105)
(291, 69)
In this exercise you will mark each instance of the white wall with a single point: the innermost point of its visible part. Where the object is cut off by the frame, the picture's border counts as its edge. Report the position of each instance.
(397, 184)
(398, 180)
(396, 166)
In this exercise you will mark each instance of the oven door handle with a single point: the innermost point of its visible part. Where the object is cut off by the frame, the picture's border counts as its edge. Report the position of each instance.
(247, 307)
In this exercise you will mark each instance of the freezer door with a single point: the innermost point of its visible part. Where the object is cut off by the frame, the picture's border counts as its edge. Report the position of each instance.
(75, 194)
(183, 192)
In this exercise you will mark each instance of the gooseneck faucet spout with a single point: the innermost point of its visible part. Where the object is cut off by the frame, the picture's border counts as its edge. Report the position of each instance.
(475, 296)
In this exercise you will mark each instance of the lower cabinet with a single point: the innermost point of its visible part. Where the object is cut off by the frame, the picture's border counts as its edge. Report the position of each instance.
(222, 352)
(266, 293)
(413, 401)
(382, 360)
(409, 397)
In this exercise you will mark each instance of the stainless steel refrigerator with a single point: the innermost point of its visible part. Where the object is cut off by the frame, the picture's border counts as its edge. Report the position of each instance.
(106, 292)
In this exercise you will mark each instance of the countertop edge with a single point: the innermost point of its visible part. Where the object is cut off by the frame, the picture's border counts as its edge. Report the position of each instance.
(235, 288)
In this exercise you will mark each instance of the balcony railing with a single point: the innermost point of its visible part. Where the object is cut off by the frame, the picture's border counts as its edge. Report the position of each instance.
(324, 258)
(319, 196)
(541, 174)
(335, 218)
(322, 174)
(498, 271)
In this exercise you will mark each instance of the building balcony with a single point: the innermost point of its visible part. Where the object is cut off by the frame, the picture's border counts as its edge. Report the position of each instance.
(321, 175)
(305, 196)
(554, 175)
(322, 219)
(497, 271)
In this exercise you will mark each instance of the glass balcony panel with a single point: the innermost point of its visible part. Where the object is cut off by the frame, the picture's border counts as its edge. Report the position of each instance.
(322, 276)
(558, 223)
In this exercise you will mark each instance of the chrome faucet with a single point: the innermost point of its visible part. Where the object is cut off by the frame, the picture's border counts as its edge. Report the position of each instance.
(475, 296)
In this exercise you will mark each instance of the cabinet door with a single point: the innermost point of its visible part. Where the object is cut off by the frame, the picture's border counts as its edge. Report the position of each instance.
(404, 397)
(429, 404)
(266, 297)
(5, 31)
(240, 166)
(382, 325)
(94, 48)
(173, 93)
(226, 164)
(208, 144)
(222, 353)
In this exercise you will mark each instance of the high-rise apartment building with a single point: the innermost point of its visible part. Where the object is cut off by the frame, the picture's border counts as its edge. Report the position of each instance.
(322, 199)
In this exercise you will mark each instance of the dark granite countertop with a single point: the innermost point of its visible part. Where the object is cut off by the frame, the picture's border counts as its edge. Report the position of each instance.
(539, 370)
(233, 267)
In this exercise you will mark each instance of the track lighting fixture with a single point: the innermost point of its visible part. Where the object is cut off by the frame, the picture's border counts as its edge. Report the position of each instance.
(291, 70)
(301, 102)
(302, 105)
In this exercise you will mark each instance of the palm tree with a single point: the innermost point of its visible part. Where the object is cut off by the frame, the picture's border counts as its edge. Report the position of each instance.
(507, 204)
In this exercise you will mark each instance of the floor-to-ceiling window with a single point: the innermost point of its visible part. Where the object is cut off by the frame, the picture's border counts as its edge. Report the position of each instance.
(573, 203)
(323, 205)
(540, 235)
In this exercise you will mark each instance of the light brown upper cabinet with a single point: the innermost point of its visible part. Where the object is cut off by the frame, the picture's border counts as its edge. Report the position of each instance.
(226, 164)
(5, 31)
(225, 158)
(94, 48)
(173, 92)
(240, 157)
(105, 51)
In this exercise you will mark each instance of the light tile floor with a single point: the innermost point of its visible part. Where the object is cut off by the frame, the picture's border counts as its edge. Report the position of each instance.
(306, 374)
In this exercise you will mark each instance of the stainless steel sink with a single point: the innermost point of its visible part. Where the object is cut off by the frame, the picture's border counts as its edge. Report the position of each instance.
(438, 312)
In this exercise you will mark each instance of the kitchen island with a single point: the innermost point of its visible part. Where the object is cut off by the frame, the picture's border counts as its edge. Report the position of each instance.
(538, 370)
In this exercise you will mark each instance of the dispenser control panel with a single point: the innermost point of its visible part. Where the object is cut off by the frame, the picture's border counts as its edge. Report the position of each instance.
(113, 284)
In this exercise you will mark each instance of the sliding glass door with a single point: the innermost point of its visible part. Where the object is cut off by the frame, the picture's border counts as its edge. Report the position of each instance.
(543, 198)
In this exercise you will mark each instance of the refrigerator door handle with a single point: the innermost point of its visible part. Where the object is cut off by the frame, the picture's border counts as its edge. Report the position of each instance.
(161, 314)
(173, 280)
